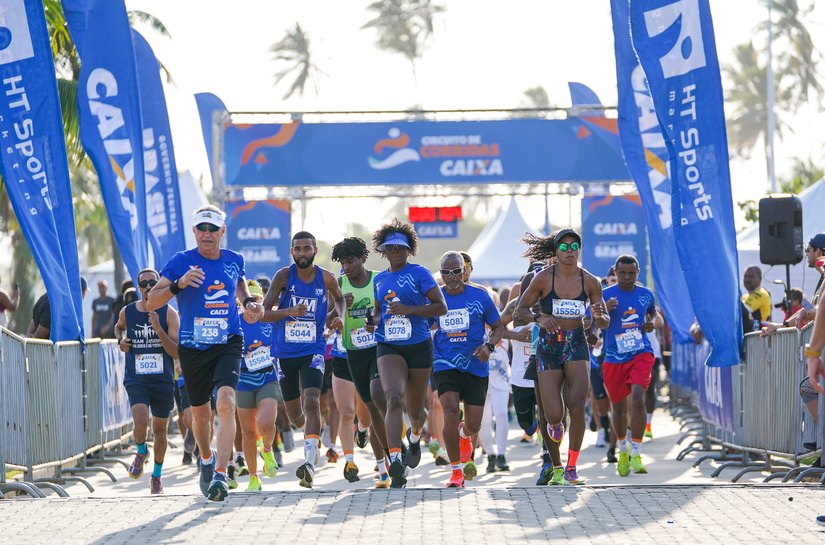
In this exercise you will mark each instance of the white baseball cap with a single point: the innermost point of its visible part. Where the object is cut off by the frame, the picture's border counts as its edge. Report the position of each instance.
(217, 219)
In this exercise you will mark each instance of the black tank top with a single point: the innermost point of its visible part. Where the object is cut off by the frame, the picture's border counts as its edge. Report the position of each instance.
(147, 361)
(557, 307)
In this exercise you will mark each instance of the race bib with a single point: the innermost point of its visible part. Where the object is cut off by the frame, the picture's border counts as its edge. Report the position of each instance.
(455, 320)
(210, 330)
(629, 341)
(568, 308)
(149, 364)
(258, 359)
(361, 338)
(397, 328)
(300, 332)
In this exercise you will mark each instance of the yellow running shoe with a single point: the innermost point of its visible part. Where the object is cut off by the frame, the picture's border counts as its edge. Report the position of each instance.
(270, 465)
(636, 464)
(558, 477)
(623, 467)
(254, 484)
(470, 470)
(383, 481)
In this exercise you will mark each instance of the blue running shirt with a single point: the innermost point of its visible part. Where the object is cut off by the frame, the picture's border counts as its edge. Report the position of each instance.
(462, 330)
(257, 357)
(409, 286)
(297, 336)
(209, 313)
(624, 338)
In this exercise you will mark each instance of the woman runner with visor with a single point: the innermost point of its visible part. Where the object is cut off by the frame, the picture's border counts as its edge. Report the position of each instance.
(563, 290)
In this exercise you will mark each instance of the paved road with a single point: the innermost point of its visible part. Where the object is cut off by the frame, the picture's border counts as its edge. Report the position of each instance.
(674, 502)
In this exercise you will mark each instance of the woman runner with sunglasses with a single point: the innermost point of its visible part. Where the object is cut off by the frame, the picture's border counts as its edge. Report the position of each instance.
(563, 290)
(406, 296)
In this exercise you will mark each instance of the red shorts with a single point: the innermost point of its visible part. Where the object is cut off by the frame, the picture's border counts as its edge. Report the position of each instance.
(619, 376)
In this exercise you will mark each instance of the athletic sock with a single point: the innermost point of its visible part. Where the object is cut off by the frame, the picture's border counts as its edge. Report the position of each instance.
(461, 431)
(348, 456)
(361, 428)
(208, 460)
(395, 455)
(382, 466)
(572, 457)
(636, 447)
(456, 466)
(649, 418)
(142, 448)
(621, 443)
(627, 442)
(311, 448)
(267, 448)
(220, 471)
(414, 437)
(156, 472)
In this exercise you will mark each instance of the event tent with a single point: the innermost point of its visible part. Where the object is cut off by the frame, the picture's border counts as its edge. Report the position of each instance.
(813, 222)
(497, 251)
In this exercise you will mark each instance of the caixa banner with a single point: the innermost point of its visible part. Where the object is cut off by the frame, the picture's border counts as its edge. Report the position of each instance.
(613, 225)
(410, 152)
(260, 232)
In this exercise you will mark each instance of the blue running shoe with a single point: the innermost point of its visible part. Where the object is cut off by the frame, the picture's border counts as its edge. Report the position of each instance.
(545, 474)
(820, 520)
(207, 472)
(218, 491)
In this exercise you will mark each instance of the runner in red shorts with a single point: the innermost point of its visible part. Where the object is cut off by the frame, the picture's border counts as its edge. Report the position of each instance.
(628, 359)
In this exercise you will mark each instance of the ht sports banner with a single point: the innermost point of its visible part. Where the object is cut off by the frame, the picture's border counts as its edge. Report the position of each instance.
(34, 167)
(108, 99)
(260, 232)
(612, 225)
(646, 155)
(296, 154)
(675, 44)
(163, 209)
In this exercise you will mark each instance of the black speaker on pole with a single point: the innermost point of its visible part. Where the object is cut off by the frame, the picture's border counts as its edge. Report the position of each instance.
(780, 230)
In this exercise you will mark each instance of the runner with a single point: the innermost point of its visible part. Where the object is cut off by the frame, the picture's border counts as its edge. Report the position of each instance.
(150, 341)
(258, 393)
(344, 395)
(300, 343)
(628, 358)
(495, 407)
(357, 283)
(460, 369)
(206, 281)
(563, 357)
(406, 295)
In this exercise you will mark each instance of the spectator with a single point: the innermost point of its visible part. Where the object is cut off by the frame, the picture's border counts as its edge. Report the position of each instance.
(816, 367)
(41, 325)
(119, 303)
(102, 316)
(758, 300)
(8, 303)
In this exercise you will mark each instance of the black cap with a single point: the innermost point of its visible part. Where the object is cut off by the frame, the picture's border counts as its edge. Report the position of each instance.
(565, 232)
(818, 241)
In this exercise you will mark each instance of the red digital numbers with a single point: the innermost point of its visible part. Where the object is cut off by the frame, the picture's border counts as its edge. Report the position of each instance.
(428, 214)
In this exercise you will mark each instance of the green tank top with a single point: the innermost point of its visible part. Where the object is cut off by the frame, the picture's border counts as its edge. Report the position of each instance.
(355, 337)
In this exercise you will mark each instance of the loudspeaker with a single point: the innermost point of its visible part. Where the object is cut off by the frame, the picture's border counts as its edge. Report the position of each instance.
(780, 230)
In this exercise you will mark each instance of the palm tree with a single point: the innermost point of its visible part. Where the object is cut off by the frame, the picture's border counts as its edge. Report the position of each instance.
(404, 26)
(294, 49)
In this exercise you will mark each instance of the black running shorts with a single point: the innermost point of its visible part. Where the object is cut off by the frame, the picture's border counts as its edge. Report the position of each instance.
(301, 373)
(417, 356)
(471, 389)
(524, 401)
(210, 369)
(363, 368)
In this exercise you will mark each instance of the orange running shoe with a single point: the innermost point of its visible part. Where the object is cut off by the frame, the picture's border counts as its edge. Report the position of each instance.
(456, 480)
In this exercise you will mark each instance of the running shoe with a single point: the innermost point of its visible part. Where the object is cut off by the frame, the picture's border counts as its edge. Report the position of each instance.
(571, 476)
(231, 480)
(527, 439)
(397, 474)
(456, 479)
(606, 433)
(545, 474)
(636, 464)
(218, 490)
(288, 437)
(611, 455)
(240, 464)
(600, 442)
(279, 457)
(434, 447)
(465, 448)
(207, 472)
(361, 437)
(648, 431)
(383, 481)
(557, 478)
(351, 472)
(136, 469)
(820, 520)
(623, 467)
(155, 488)
(254, 484)
(413, 451)
(305, 473)
(442, 459)
(556, 432)
(187, 458)
(491, 463)
(470, 470)
(332, 456)
(326, 440)
(270, 464)
(501, 463)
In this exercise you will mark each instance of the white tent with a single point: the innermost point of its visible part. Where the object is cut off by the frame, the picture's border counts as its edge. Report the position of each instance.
(497, 251)
(813, 222)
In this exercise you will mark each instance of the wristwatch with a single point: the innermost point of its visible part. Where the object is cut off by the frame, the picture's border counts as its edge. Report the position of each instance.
(810, 352)
(490, 346)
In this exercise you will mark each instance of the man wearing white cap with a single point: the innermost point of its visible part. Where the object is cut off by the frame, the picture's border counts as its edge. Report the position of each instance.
(207, 280)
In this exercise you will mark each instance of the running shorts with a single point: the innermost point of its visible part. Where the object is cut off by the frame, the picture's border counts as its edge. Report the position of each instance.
(210, 369)
(471, 389)
(553, 353)
(301, 373)
(618, 377)
(417, 356)
(250, 399)
(159, 399)
(363, 368)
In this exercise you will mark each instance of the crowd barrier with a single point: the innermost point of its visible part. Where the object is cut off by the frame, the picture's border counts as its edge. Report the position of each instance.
(62, 407)
(751, 416)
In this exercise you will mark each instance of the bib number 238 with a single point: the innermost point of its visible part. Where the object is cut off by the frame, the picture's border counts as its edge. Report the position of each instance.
(211, 330)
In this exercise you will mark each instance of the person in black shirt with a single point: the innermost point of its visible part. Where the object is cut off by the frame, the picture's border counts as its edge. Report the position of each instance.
(102, 317)
(41, 325)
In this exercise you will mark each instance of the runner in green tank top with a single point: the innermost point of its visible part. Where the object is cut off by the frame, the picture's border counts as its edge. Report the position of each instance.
(357, 285)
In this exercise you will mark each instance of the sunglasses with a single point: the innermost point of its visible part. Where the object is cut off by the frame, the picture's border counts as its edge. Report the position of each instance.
(394, 248)
(447, 272)
(573, 247)
(207, 227)
(147, 283)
